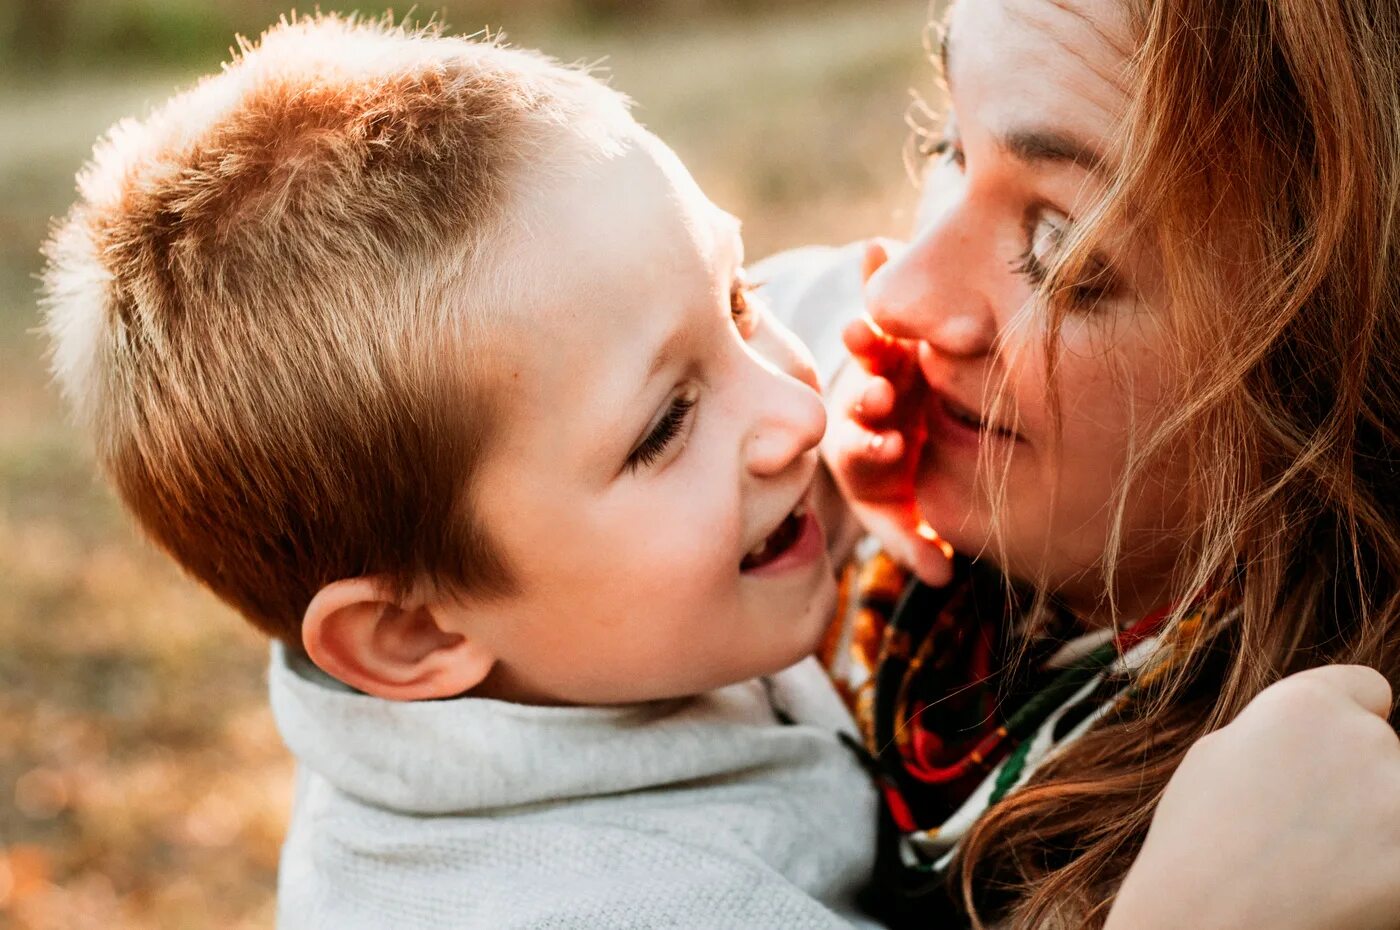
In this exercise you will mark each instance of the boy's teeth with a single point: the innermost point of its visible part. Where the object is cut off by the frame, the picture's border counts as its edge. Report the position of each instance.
(784, 536)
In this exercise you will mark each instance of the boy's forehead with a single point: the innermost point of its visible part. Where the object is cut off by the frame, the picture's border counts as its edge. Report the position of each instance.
(630, 221)
(612, 257)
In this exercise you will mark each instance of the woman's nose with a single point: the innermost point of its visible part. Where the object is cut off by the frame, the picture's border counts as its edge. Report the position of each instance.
(929, 292)
(790, 422)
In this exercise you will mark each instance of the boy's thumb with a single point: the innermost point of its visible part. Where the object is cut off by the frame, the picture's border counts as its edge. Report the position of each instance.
(875, 256)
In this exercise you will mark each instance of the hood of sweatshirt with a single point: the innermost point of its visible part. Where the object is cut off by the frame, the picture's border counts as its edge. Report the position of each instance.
(474, 755)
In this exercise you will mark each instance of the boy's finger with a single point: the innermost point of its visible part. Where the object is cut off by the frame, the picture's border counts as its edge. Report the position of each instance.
(875, 256)
(875, 403)
(926, 559)
(876, 351)
(883, 448)
(865, 461)
(930, 563)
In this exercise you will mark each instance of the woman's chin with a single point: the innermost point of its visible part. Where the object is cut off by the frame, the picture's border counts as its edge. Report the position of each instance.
(948, 506)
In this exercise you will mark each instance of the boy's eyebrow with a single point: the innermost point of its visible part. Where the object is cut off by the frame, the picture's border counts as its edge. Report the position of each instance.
(731, 242)
(669, 347)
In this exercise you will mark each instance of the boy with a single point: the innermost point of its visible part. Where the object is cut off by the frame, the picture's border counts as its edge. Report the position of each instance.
(423, 355)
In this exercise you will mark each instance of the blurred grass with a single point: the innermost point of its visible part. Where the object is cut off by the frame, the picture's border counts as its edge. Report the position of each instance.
(49, 34)
(143, 784)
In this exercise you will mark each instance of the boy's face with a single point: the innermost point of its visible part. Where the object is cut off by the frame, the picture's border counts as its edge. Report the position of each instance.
(658, 428)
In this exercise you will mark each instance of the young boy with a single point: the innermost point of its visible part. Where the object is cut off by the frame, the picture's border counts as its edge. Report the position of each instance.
(427, 358)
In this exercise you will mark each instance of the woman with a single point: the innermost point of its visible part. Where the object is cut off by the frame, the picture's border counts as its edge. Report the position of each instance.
(1142, 356)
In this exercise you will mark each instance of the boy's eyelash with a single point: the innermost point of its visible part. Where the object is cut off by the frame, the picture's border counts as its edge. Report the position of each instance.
(738, 297)
(650, 449)
(739, 291)
(663, 433)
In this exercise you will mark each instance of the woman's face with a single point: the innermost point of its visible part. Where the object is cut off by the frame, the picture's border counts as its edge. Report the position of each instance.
(1037, 88)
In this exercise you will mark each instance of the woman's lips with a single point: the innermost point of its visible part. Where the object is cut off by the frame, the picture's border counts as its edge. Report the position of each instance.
(945, 417)
(950, 421)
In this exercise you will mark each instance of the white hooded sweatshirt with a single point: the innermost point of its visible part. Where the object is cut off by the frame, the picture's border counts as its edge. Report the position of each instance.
(707, 812)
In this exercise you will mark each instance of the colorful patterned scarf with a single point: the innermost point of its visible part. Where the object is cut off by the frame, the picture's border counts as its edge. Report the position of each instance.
(961, 696)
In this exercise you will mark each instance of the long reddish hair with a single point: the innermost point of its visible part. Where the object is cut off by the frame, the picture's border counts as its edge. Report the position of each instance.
(1261, 153)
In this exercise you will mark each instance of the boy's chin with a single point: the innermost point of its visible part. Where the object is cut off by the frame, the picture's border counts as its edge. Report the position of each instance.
(816, 619)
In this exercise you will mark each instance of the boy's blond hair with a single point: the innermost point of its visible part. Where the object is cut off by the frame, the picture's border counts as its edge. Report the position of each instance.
(270, 302)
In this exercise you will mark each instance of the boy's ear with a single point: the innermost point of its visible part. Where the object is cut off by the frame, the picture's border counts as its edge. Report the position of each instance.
(359, 631)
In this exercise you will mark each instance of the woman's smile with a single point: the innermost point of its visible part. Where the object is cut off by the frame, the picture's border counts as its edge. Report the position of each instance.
(950, 422)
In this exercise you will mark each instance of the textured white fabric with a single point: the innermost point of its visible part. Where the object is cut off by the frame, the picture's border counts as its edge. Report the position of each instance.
(815, 291)
(470, 813)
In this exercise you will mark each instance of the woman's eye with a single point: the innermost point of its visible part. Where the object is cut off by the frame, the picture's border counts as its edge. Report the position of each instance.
(1046, 237)
(942, 148)
(664, 432)
(1046, 234)
(741, 309)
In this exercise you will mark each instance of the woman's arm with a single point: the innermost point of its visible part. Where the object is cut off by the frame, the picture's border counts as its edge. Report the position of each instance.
(1287, 819)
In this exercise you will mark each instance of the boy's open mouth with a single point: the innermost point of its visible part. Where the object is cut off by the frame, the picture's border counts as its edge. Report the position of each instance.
(777, 542)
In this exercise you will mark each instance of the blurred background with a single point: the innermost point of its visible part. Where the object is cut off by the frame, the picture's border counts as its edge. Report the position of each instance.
(141, 782)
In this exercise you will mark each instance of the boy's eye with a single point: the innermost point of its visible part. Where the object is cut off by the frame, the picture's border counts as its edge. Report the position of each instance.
(741, 309)
(659, 438)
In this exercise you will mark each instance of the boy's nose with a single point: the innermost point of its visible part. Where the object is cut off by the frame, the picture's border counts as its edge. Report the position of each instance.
(784, 352)
(927, 293)
(791, 422)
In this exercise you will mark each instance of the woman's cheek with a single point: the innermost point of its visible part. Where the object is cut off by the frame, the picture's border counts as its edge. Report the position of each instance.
(942, 186)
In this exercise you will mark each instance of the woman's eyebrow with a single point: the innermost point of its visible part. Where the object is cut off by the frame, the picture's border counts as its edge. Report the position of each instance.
(945, 53)
(1049, 146)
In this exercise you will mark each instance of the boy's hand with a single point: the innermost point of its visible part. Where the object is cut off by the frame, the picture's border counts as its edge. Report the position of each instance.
(876, 436)
(1287, 819)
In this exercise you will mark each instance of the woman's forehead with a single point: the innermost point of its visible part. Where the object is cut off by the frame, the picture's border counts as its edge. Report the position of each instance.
(1019, 61)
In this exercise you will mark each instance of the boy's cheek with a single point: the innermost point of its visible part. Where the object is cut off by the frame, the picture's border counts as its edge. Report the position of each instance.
(838, 523)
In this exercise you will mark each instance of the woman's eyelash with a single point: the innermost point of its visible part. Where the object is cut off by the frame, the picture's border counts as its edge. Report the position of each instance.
(663, 433)
(1029, 267)
(1097, 285)
(933, 147)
